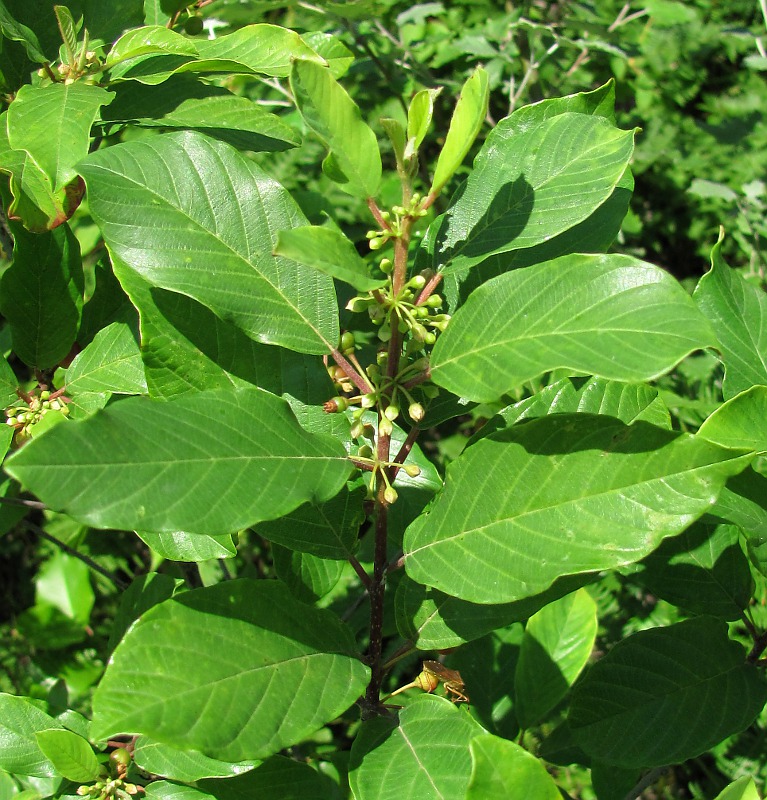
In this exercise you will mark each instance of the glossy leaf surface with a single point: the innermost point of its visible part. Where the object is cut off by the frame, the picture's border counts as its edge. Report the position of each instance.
(218, 456)
(423, 755)
(665, 695)
(739, 422)
(70, 754)
(183, 765)
(602, 315)
(280, 676)
(561, 495)
(194, 216)
(20, 753)
(503, 770)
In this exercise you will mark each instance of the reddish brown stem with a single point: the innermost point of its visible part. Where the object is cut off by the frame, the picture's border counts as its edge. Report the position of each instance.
(350, 372)
(420, 378)
(360, 570)
(407, 445)
(376, 212)
(428, 290)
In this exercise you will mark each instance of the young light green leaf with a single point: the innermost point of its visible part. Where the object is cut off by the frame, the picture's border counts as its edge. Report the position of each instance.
(469, 114)
(207, 462)
(335, 118)
(70, 754)
(64, 582)
(396, 134)
(20, 753)
(737, 311)
(146, 40)
(739, 422)
(557, 644)
(194, 216)
(610, 319)
(419, 116)
(70, 110)
(665, 695)
(183, 765)
(281, 676)
(503, 770)
(561, 495)
(180, 546)
(328, 251)
(67, 29)
(742, 789)
(14, 30)
(428, 743)
(530, 185)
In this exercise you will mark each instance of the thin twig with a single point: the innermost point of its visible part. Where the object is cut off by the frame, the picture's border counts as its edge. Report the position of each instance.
(19, 501)
(360, 570)
(87, 560)
(358, 380)
(648, 780)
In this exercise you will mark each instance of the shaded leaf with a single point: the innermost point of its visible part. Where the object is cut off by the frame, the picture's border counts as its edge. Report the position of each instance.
(218, 457)
(308, 577)
(183, 765)
(665, 695)
(159, 205)
(14, 30)
(180, 546)
(281, 676)
(144, 592)
(561, 495)
(604, 315)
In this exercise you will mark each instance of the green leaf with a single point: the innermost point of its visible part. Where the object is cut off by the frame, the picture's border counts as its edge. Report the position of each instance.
(70, 110)
(208, 462)
(328, 530)
(737, 311)
(529, 186)
(8, 384)
(64, 582)
(21, 33)
(278, 778)
(610, 318)
(739, 421)
(332, 49)
(742, 502)
(167, 790)
(20, 753)
(436, 621)
(280, 676)
(335, 118)
(421, 109)
(703, 570)
(429, 746)
(183, 765)
(186, 347)
(110, 363)
(41, 295)
(150, 39)
(192, 215)
(470, 112)
(742, 789)
(612, 783)
(180, 546)
(308, 577)
(70, 754)
(628, 402)
(185, 102)
(557, 644)
(503, 770)
(144, 592)
(665, 695)
(68, 33)
(561, 495)
(330, 252)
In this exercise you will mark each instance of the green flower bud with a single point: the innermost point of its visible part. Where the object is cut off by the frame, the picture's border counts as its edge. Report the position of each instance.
(367, 400)
(347, 341)
(416, 412)
(366, 451)
(391, 412)
(413, 470)
(419, 332)
(382, 358)
(120, 756)
(433, 301)
(417, 282)
(386, 265)
(429, 338)
(430, 391)
(373, 371)
(385, 427)
(376, 243)
(45, 395)
(390, 495)
(421, 312)
(11, 421)
(65, 410)
(371, 234)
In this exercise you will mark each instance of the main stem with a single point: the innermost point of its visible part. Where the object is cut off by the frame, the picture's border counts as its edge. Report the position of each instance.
(377, 587)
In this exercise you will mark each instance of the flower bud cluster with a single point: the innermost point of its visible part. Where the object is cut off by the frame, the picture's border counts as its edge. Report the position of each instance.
(394, 219)
(24, 417)
(109, 788)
